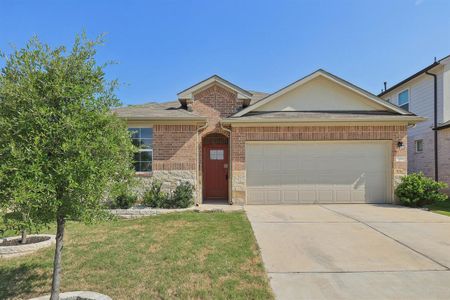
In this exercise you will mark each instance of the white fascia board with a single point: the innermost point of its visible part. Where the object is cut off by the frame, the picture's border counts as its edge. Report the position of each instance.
(413, 119)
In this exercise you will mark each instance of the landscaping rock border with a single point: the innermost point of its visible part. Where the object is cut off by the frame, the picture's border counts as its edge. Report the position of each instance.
(19, 250)
(132, 213)
(143, 211)
(77, 295)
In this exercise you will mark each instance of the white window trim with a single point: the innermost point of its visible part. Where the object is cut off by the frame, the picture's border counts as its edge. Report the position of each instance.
(409, 98)
(144, 150)
(415, 146)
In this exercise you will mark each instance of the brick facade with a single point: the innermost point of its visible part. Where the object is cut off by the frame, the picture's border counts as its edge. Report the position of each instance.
(421, 161)
(174, 147)
(216, 102)
(424, 161)
(175, 153)
(241, 135)
(444, 156)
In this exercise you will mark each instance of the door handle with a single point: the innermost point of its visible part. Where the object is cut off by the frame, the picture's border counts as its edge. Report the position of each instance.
(226, 176)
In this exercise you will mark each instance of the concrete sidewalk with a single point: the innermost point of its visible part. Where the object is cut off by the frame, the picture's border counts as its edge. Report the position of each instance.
(355, 251)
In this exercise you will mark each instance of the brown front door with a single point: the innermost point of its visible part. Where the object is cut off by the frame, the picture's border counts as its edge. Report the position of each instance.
(215, 172)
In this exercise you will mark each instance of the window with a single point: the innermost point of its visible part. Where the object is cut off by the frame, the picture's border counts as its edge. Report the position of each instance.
(403, 99)
(216, 154)
(419, 145)
(143, 139)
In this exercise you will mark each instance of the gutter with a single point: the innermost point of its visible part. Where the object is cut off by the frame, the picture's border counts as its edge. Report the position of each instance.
(436, 150)
(162, 119)
(424, 70)
(409, 119)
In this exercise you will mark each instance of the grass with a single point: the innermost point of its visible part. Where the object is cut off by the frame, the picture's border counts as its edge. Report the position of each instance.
(182, 255)
(442, 208)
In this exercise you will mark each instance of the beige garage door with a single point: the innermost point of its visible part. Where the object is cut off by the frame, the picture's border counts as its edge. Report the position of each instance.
(318, 172)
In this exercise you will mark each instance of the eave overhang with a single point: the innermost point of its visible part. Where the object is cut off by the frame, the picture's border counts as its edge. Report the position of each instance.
(137, 118)
(411, 120)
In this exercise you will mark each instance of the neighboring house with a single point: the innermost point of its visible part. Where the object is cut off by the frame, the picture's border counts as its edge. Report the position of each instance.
(417, 94)
(318, 140)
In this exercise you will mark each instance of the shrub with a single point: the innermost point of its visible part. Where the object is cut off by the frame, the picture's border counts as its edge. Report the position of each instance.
(416, 190)
(124, 200)
(181, 197)
(154, 196)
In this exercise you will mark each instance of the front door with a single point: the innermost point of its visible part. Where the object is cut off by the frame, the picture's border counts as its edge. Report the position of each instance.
(215, 172)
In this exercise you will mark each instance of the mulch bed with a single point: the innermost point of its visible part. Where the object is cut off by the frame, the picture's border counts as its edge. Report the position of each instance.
(30, 240)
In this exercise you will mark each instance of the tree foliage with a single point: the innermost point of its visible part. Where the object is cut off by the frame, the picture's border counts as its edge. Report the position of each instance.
(61, 148)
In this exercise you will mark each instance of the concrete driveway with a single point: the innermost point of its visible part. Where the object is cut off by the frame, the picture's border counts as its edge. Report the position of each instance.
(353, 251)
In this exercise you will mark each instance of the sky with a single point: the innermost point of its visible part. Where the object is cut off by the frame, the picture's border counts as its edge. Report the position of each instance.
(162, 47)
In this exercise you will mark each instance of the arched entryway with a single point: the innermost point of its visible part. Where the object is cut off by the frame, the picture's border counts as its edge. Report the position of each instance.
(215, 168)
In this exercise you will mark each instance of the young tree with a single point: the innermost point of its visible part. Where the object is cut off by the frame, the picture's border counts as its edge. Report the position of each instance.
(61, 149)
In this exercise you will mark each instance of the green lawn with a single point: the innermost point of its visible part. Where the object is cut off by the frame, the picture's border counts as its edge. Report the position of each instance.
(440, 207)
(182, 255)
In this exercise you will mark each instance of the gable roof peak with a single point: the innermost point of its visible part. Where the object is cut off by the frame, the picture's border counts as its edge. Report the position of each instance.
(188, 93)
(332, 77)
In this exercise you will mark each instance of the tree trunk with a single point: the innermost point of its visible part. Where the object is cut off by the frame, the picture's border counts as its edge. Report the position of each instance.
(23, 240)
(56, 282)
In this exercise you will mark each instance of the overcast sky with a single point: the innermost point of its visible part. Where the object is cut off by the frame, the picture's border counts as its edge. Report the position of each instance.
(163, 47)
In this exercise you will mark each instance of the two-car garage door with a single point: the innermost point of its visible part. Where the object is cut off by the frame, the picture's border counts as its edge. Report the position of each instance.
(318, 172)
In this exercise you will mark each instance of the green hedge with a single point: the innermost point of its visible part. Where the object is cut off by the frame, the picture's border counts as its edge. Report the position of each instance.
(181, 197)
(417, 190)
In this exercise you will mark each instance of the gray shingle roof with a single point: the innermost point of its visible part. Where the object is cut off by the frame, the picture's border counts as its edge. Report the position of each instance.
(171, 110)
(256, 96)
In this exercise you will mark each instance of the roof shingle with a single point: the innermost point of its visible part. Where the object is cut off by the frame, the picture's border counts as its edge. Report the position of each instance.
(171, 110)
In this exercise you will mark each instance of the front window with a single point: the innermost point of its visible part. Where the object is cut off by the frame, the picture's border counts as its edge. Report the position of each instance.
(403, 99)
(143, 139)
(419, 145)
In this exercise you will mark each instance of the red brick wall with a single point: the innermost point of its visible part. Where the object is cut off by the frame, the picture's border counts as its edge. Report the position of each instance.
(318, 133)
(174, 147)
(444, 156)
(216, 102)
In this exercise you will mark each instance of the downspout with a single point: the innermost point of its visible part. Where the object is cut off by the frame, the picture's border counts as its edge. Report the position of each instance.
(436, 151)
(230, 160)
(197, 176)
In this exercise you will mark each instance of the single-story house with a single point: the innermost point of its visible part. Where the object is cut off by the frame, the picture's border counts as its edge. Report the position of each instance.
(320, 139)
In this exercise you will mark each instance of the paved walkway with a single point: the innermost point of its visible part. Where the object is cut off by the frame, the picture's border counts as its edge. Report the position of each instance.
(353, 251)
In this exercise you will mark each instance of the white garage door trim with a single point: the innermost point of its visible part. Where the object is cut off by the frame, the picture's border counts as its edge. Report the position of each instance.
(339, 190)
